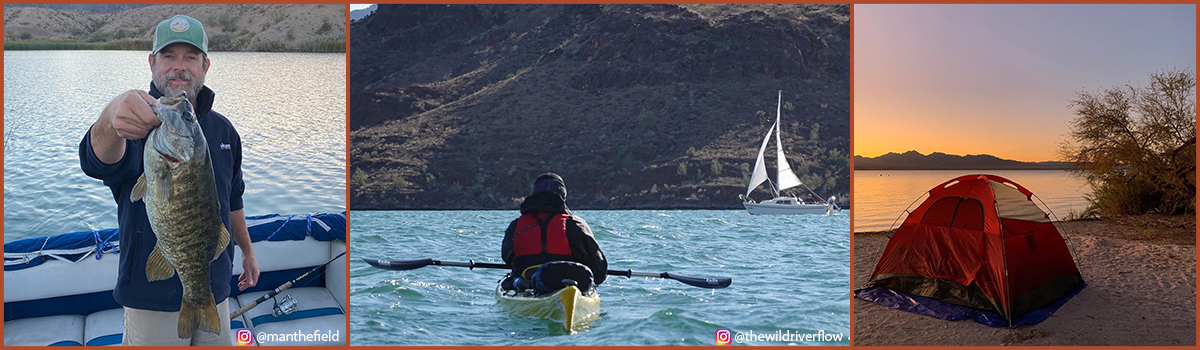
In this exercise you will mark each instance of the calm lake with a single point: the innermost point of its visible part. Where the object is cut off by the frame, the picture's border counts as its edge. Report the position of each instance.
(880, 196)
(790, 274)
(290, 109)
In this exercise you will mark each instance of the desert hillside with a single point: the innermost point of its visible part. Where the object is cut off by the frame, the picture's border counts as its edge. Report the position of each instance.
(230, 27)
(637, 106)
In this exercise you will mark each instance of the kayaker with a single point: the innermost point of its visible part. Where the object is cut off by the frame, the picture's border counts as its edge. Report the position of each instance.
(547, 244)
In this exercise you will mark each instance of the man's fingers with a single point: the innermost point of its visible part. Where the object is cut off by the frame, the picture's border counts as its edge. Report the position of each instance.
(139, 106)
(145, 96)
(129, 129)
(132, 116)
(247, 280)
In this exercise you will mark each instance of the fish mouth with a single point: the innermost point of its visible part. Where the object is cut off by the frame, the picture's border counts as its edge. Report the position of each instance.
(166, 156)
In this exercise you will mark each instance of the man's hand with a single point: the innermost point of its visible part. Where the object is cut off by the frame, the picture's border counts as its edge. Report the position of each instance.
(249, 277)
(128, 116)
(241, 237)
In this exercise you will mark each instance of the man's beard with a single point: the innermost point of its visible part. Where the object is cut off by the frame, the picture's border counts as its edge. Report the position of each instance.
(163, 83)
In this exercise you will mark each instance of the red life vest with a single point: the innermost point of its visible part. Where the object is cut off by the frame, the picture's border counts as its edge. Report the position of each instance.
(541, 234)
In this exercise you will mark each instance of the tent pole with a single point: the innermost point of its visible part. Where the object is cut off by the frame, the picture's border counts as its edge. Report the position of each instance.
(906, 209)
(1003, 255)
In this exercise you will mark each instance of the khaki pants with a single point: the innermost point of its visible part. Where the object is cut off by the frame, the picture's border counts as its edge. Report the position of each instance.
(147, 327)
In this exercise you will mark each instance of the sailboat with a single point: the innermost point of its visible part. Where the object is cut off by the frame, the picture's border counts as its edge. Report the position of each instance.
(782, 204)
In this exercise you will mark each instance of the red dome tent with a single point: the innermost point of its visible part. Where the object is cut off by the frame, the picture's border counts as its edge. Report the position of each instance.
(978, 241)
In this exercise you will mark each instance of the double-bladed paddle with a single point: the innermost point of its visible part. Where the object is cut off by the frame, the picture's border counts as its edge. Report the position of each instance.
(403, 265)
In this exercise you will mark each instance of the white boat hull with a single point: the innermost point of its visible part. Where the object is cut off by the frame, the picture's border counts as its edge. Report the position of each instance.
(86, 314)
(784, 206)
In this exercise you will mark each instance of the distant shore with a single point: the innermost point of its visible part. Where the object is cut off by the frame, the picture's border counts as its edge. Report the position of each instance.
(319, 46)
(845, 208)
(1141, 276)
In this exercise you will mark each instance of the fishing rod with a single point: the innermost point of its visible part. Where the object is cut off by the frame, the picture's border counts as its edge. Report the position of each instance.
(280, 289)
(403, 265)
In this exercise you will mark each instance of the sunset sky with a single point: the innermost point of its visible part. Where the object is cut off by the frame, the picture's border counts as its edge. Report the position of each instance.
(998, 79)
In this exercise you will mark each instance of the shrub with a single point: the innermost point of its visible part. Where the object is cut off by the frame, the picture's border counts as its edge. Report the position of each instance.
(325, 26)
(1137, 145)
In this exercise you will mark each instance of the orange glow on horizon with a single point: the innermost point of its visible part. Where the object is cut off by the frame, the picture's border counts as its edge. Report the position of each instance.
(999, 79)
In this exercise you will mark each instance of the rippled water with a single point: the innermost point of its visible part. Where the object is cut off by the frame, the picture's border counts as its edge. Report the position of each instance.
(289, 108)
(881, 196)
(790, 273)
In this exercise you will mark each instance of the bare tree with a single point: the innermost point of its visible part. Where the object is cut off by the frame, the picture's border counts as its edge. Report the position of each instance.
(1137, 145)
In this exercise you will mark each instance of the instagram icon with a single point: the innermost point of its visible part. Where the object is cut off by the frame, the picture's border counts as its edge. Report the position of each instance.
(245, 337)
(724, 337)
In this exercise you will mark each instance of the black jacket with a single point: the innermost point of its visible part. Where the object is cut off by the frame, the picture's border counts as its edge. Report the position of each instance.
(584, 248)
(137, 239)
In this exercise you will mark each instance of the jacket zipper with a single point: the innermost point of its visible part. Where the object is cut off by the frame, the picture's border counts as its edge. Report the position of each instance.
(133, 251)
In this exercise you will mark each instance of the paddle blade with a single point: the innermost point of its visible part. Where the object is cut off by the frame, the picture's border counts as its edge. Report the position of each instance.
(702, 282)
(398, 265)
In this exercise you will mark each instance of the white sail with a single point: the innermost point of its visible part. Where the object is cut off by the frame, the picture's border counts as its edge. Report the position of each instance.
(786, 179)
(760, 168)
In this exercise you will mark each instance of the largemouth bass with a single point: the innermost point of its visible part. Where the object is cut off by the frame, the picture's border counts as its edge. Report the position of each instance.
(180, 193)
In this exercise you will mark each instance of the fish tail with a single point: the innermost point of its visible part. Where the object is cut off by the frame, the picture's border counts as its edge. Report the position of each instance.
(201, 314)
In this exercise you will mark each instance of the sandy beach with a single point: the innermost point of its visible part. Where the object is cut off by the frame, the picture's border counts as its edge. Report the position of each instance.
(1141, 276)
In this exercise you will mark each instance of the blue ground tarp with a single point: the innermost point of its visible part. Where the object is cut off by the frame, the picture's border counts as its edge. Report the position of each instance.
(953, 312)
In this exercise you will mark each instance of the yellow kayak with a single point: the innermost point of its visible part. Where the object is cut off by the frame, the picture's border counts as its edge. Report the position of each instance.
(567, 306)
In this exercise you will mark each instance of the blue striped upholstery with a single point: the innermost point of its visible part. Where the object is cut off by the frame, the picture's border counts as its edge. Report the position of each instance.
(326, 311)
(111, 339)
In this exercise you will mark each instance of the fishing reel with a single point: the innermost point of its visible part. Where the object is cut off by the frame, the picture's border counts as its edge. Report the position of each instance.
(287, 306)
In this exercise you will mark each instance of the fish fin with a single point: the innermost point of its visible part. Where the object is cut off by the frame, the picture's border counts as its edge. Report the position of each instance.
(162, 192)
(139, 189)
(157, 268)
(203, 315)
(223, 241)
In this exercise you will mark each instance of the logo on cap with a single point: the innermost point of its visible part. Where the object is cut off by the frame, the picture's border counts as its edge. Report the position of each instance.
(179, 25)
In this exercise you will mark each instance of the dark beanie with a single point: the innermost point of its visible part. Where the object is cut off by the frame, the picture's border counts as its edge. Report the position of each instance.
(550, 182)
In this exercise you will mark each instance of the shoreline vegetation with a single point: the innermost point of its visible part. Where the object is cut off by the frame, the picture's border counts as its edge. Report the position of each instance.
(1136, 145)
(316, 46)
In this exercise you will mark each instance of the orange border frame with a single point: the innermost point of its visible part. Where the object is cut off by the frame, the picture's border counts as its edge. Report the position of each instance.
(852, 3)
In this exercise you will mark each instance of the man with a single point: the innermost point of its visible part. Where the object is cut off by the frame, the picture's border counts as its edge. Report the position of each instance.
(112, 151)
(547, 243)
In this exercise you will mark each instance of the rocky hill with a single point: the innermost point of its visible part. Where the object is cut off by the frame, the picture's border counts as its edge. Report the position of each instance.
(230, 27)
(913, 160)
(96, 8)
(363, 12)
(637, 106)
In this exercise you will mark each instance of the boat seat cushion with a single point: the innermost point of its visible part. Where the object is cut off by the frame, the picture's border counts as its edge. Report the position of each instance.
(317, 312)
(104, 327)
(43, 331)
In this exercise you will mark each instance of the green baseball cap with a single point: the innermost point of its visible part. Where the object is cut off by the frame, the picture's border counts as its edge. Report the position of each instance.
(180, 29)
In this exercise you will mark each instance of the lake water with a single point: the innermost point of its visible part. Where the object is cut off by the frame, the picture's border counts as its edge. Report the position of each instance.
(882, 196)
(790, 274)
(290, 109)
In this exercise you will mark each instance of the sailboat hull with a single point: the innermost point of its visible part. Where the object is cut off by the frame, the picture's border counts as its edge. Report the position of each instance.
(784, 206)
